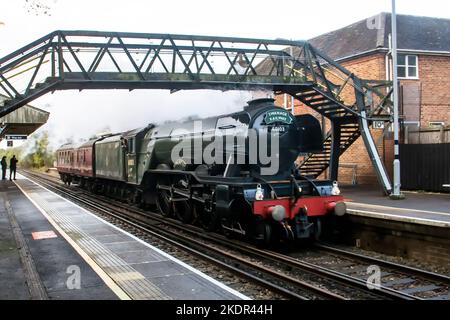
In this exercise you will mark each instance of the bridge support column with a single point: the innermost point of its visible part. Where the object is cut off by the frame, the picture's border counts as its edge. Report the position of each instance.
(380, 170)
(335, 150)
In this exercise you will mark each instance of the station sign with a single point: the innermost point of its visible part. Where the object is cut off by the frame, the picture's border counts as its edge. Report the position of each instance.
(278, 116)
(16, 137)
(378, 125)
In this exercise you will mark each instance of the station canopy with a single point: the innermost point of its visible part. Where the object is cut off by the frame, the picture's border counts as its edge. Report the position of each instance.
(23, 121)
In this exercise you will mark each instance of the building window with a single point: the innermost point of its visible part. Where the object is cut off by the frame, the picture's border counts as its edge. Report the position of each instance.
(407, 66)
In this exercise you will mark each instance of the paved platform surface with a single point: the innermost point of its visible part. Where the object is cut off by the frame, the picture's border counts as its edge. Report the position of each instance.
(421, 208)
(51, 248)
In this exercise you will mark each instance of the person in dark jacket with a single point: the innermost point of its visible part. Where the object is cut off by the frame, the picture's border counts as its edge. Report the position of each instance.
(12, 167)
(4, 167)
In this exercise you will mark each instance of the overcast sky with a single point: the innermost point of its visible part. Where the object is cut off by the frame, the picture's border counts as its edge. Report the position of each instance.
(80, 114)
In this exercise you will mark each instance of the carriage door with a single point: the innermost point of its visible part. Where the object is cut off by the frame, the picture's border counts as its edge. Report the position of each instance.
(131, 160)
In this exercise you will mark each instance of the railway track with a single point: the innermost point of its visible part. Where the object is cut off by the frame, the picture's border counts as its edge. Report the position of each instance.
(416, 282)
(253, 272)
(273, 270)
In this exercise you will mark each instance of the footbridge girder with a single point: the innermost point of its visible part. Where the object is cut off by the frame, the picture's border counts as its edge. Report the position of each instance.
(64, 60)
(110, 60)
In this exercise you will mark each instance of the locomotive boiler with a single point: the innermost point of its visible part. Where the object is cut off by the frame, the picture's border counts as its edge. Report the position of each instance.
(235, 173)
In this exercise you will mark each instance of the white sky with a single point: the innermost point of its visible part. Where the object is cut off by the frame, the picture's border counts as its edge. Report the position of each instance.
(80, 114)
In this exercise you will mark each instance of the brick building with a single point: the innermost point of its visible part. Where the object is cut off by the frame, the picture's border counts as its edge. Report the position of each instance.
(423, 70)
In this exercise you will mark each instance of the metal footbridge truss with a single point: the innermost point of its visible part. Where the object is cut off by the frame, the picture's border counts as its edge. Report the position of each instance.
(80, 60)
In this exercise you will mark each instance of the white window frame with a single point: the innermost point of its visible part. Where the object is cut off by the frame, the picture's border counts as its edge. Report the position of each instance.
(406, 65)
(417, 123)
(436, 123)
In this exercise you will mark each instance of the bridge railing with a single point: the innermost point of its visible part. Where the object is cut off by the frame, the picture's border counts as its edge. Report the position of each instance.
(92, 59)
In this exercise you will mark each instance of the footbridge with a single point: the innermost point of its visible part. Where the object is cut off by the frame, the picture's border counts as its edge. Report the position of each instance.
(64, 60)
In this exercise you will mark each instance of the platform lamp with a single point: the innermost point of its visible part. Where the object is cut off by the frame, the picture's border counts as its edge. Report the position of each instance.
(396, 193)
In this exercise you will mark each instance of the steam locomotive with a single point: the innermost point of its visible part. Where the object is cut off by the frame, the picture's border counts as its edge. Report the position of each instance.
(235, 173)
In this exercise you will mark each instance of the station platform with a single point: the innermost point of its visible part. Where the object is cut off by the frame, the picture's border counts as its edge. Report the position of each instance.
(50, 248)
(420, 208)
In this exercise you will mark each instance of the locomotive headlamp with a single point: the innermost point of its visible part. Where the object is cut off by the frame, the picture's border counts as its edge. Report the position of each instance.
(335, 190)
(259, 195)
(278, 212)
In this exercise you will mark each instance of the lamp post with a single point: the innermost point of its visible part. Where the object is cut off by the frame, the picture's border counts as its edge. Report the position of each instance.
(396, 194)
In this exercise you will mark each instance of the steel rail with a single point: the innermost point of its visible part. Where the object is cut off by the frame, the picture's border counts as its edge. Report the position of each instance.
(185, 244)
(334, 275)
(389, 264)
(276, 257)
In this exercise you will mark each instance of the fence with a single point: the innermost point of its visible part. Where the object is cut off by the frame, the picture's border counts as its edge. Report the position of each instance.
(429, 135)
(425, 166)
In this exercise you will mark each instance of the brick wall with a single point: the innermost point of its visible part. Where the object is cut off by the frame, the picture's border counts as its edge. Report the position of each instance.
(435, 113)
(369, 67)
(434, 80)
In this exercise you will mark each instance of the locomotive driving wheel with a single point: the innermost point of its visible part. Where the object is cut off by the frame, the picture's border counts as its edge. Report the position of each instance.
(264, 233)
(164, 202)
(268, 234)
(206, 215)
(183, 211)
(317, 229)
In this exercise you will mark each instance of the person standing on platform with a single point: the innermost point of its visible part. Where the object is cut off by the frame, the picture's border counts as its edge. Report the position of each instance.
(4, 166)
(12, 167)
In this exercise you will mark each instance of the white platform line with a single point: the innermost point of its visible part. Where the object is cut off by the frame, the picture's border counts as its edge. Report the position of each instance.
(398, 209)
(190, 268)
(388, 216)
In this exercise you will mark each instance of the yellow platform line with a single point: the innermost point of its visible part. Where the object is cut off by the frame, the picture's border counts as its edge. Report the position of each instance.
(102, 274)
